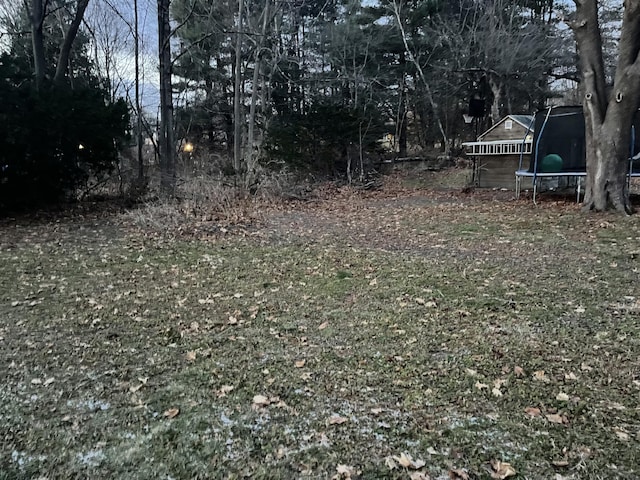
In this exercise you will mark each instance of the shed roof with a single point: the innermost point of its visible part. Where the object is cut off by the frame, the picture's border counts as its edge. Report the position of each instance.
(525, 121)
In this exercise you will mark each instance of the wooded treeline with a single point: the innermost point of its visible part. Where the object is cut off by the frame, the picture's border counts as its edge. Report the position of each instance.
(321, 82)
(326, 86)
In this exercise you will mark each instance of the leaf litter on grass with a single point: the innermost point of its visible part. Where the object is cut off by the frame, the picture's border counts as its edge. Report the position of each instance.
(467, 353)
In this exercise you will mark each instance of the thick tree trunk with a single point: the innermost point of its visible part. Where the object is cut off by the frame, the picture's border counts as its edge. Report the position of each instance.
(65, 51)
(167, 136)
(606, 176)
(37, 41)
(608, 120)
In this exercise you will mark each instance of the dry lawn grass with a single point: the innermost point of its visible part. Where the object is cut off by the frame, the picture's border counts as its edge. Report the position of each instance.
(395, 334)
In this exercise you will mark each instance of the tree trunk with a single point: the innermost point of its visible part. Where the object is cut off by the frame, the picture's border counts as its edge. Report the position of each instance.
(167, 135)
(237, 104)
(400, 141)
(65, 50)
(496, 91)
(608, 121)
(252, 157)
(402, 136)
(137, 93)
(606, 176)
(37, 41)
(349, 173)
(361, 136)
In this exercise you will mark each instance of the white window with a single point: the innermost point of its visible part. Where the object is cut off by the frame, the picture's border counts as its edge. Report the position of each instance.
(508, 124)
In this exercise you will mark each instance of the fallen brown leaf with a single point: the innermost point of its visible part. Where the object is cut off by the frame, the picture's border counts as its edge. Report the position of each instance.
(344, 471)
(532, 411)
(556, 418)
(406, 461)
(172, 413)
(336, 420)
(540, 376)
(458, 474)
(622, 435)
(135, 388)
(260, 401)
(419, 476)
(224, 389)
(502, 470)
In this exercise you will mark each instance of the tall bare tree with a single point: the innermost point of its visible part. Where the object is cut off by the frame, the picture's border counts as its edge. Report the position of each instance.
(167, 143)
(608, 111)
(36, 18)
(251, 154)
(237, 94)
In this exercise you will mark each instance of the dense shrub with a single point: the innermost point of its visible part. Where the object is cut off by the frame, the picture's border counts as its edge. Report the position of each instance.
(54, 140)
(323, 138)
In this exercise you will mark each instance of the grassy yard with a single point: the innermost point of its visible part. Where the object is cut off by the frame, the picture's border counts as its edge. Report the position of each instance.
(401, 334)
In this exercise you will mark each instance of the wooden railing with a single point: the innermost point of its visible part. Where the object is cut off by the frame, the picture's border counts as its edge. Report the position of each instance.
(499, 147)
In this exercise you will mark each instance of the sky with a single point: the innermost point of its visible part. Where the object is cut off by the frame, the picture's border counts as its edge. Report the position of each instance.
(112, 22)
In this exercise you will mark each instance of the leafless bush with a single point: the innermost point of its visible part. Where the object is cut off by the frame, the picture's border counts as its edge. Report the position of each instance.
(274, 186)
(215, 198)
(203, 203)
(159, 216)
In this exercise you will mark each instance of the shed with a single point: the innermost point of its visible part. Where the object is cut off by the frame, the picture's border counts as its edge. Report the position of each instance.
(497, 152)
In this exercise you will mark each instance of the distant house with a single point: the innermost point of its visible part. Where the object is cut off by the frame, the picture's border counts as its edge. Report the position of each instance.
(497, 152)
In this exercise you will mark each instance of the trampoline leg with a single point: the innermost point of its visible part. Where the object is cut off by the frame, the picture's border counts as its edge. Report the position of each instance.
(535, 190)
(517, 186)
(579, 185)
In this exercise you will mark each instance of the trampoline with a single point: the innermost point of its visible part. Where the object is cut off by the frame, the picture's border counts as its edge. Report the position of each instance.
(558, 149)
